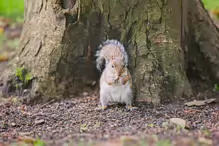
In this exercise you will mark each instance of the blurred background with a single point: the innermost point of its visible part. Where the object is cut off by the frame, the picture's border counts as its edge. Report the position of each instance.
(11, 19)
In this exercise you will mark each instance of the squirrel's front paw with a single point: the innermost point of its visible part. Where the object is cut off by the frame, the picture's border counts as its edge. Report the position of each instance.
(131, 108)
(109, 83)
(101, 108)
(116, 80)
(112, 82)
(123, 80)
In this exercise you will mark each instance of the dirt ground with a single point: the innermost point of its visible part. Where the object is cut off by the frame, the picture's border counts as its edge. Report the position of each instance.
(59, 122)
(73, 121)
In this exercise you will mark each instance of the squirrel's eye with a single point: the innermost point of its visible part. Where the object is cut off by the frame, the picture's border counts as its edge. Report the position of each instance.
(112, 66)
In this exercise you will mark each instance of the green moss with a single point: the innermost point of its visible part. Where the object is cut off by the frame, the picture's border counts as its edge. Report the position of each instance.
(86, 6)
(13, 9)
(23, 77)
(216, 87)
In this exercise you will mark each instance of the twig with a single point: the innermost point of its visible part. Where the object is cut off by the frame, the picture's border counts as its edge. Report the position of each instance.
(47, 103)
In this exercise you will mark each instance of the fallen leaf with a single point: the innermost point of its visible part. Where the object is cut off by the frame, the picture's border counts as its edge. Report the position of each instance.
(163, 142)
(128, 138)
(1, 30)
(83, 127)
(150, 125)
(26, 139)
(25, 133)
(205, 141)
(200, 102)
(3, 58)
(37, 122)
(210, 100)
(165, 124)
(178, 121)
(216, 12)
(97, 125)
(14, 100)
(192, 111)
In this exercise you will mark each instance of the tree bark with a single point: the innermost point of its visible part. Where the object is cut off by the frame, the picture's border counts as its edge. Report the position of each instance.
(173, 45)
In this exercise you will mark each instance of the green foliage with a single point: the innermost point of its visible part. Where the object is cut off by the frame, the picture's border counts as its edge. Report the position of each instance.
(211, 4)
(39, 142)
(150, 125)
(163, 143)
(216, 87)
(2, 38)
(23, 75)
(12, 9)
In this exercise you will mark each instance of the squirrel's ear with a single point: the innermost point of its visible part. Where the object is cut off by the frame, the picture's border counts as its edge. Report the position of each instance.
(111, 58)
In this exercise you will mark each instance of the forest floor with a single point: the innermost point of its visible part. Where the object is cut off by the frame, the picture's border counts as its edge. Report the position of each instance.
(74, 121)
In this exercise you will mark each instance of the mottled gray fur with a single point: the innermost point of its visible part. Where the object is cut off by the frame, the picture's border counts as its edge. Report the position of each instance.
(101, 58)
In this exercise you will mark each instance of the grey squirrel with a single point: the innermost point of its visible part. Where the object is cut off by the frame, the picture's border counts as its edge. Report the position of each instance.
(115, 80)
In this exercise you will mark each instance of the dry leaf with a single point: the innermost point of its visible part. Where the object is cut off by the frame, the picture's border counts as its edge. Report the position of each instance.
(128, 138)
(178, 121)
(25, 133)
(3, 58)
(205, 141)
(26, 139)
(149, 125)
(1, 30)
(83, 127)
(210, 100)
(37, 122)
(97, 125)
(200, 102)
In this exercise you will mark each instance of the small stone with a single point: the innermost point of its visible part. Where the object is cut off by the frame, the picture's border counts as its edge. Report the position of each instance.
(85, 94)
(13, 124)
(25, 92)
(37, 122)
(178, 121)
(25, 133)
(93, 83)
(106, 136)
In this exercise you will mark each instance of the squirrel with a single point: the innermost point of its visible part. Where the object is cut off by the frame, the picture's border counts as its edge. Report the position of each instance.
(115, 81)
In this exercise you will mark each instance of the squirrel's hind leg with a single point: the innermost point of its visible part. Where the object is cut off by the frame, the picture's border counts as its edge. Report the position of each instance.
(128, 101)
(103, 101)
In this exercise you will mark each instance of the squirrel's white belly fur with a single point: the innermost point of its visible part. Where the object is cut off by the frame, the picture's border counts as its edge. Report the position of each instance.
(116, 93)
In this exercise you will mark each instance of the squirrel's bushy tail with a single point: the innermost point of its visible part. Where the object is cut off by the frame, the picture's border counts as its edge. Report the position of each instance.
(100, 61)
(102, 56)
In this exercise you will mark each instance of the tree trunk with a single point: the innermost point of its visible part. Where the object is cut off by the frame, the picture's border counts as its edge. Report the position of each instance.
(172, 45)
